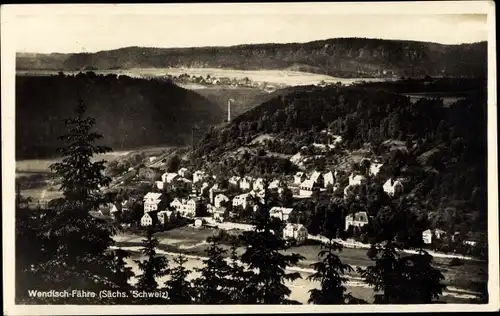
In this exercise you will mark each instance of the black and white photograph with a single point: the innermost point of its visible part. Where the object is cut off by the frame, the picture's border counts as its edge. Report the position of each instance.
(267, 157)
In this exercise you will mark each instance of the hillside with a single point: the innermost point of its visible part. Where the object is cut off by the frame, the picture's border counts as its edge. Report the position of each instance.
(129, 112)
(442, 150)
(340, 57)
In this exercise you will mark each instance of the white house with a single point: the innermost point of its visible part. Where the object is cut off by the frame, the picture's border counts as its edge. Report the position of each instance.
(295, 231)
(220, 198)
(199, 176)
(160, 185)
(176, 204)
(184, 172)
(275, 184)
(428, 235)
(392, 187)
(306, 188)
(283, 213)
(235, 181)
(356, 180)
(360, 219)
(169, 177)
(241, 200)
(152, 202)
(375, 168)
(218, 214)
(258, 184)
(246, 183)
(299, 177)
(329, 178)
(146, 220)
(188, 208)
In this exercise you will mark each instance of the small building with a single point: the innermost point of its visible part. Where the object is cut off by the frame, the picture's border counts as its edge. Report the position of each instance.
(283, 213)
(220, 198)
(392, 187)
(146, 220)
(153, 202)
(189, 207)
(199, 176)
(307, 188)
(164, 216)
(317, 178)
(359, 219)
(235, 181)
(429, 235)
(184, 172)
(176, 203)
(246, 183)
(295, 231)
(241, 200)
(329, 178)
(356, 179)
(375, 168)
(258, 184)
(275, 185)
(218, 214)
(299, 177)
(169, 177)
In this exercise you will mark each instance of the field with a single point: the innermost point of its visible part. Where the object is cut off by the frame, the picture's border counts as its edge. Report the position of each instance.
(286, 77)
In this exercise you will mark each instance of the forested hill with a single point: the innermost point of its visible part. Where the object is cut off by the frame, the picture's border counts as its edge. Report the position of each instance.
(340, 57)
(443, 154)
(129, 112)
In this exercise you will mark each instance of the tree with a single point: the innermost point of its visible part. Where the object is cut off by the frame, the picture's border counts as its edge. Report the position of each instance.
(153, 267)
(264, 246)
(73, 246)
(180, 290)
(173, 164)
(213, 283)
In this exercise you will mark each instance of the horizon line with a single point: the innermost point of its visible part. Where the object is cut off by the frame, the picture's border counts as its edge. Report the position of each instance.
(254, 44)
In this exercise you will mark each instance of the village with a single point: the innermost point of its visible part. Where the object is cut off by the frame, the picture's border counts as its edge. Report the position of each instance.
(200, 199)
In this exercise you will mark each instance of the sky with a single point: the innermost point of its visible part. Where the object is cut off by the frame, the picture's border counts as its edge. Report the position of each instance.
(49, 31)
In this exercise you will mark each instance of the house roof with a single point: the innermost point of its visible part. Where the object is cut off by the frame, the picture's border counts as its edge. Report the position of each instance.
(307, 183)
(358, 217)
(152, 195)
(294, 226)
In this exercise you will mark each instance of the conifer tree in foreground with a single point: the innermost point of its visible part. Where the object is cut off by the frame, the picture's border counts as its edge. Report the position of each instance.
(74, 245)
(263, 255)
(180, 290)
(402, 278)
(240, 290)
(213, 283)
(330, 270)
(153, 267)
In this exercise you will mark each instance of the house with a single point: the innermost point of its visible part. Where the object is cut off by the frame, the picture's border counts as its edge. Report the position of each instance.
(359, 219)
(328, 178)
(241, 200)
(258, 184)
(428, 235)
(176, 204)
(307, 188)
(125, 205)
(153, 202)
(275, 184)
(188, 208)
(220, 198)
(317, 178)
(375, 168)
(235, 181)
(199, 176)
(283, 213)
(295, 231)
(356, 180)
(147, 220)
(246, 183)
(393, 187)
(204, 190)
(164, 216)
(160, 185)
(214, 191)
(169, 177)
(184, 172)
(218, 214)
(299, 177)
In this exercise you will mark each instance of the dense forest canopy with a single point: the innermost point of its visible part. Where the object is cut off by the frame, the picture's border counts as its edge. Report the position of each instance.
(130, 112)
(340, 57)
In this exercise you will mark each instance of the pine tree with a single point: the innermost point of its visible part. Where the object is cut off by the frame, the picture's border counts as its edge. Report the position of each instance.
(180, 290)
(213, 283)
(240, 290)
(75, 246)
(330, 270)
(263, 255)
(153, 267)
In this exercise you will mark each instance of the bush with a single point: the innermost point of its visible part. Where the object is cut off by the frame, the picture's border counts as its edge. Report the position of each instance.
(455, 262)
